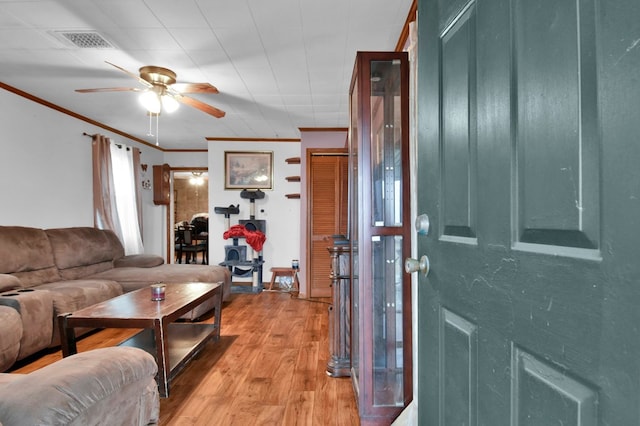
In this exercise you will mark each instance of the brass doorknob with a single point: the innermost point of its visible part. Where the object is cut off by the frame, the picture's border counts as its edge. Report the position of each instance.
(414, 265)
(422, 224)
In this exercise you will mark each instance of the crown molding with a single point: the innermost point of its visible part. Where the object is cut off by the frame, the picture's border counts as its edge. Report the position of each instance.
(323, 129)
(75, 115)
(220, 139)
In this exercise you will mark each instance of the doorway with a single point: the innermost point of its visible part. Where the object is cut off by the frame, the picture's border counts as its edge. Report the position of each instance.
(328, 206)
(189, 208)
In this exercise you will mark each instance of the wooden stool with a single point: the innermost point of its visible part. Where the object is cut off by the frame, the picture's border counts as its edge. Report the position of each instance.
(279, 272)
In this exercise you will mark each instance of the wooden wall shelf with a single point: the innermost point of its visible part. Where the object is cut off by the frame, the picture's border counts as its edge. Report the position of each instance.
(293, 160)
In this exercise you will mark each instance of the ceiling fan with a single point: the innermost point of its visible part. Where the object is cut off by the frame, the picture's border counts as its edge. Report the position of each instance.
(161, 91)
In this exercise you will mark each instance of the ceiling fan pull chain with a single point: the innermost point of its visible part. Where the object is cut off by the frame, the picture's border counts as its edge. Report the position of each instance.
(150, 133)
(157, 128)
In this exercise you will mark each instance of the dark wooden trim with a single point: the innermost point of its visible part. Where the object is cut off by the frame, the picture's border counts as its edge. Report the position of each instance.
(75, 115)
(170, 228)
(404, 34)
(216, 139)
(309, 152)
(190, 169)
(185, 150)
(323, 129)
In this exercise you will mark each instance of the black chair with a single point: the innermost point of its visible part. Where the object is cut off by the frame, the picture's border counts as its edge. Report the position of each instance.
(185, 243)
(200, 227)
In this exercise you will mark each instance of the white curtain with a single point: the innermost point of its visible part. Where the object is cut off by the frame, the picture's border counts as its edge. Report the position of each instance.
(124, 181)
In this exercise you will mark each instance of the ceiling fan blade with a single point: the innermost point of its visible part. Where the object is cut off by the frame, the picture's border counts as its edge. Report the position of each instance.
(194, 88)
(206, 108)
(108, 89)
(129, 73)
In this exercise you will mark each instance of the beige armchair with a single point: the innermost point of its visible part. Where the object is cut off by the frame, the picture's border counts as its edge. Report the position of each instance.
(110, 386)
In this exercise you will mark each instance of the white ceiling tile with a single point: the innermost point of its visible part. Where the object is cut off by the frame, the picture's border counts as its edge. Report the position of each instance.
(43, 14)
(276, 14)
(149, 39)
(296, 100)
(18, 38)
(278, 64)
(228, 14)
(129, 13)
(195, 39)
(271, 100)
(179, 14)
(7, 20)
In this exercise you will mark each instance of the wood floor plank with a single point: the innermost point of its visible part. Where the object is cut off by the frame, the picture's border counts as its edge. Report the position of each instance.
(325, 394)
(299, 409)
(268, 368)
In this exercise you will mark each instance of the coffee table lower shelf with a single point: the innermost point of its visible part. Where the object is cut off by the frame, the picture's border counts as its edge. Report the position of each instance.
(185, 340)
(171, 343)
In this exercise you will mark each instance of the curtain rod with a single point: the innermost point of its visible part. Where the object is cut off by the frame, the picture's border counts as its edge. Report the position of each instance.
(119, 145)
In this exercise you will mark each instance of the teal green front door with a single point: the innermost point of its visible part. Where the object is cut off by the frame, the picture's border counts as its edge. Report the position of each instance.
(529, 170)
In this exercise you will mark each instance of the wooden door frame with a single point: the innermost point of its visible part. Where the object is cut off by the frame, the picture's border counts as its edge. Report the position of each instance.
(169, 225)
(310, 152)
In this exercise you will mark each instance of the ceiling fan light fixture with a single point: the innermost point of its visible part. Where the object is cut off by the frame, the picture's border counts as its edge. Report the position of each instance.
(158, 94)
(169, 103)
(151, 101)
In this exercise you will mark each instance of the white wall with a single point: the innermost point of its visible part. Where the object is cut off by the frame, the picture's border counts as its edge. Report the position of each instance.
(46, 171)
(186, 159)
(281, 213)
(46, 181)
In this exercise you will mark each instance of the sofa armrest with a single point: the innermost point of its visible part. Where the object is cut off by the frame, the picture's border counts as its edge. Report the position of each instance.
(104, 386)
(139, 261)
(9, 282)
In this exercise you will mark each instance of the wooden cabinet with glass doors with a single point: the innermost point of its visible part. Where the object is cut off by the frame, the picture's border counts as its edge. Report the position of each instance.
(380, 236)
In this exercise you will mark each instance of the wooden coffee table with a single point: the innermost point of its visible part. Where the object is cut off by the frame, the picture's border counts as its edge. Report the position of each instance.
(173, 344)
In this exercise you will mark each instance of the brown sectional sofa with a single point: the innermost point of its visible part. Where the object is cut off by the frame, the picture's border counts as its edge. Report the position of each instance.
(44, 273)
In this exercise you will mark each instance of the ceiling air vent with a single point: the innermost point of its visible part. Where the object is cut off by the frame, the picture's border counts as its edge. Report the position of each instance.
(86, 39)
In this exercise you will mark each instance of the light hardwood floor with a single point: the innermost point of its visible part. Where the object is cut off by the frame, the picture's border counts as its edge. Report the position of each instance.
(267, 369)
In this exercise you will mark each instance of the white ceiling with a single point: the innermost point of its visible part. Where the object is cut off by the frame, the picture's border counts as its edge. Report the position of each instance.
(279, 65)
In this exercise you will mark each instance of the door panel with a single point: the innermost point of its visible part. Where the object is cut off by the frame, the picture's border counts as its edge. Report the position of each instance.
(544, 395)
(459, 159)
(527, 167)
(459, 357)
(564, 150)
(328, 206)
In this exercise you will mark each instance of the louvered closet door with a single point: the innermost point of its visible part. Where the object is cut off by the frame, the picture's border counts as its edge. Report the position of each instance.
(328, 200)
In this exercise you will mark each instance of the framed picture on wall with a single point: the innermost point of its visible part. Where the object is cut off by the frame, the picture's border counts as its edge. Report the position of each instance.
(248, 170)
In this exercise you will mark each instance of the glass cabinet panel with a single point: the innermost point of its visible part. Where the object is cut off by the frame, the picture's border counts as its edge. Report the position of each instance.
(353, 234)
(386, 143)
(388, 350)
(379, 237)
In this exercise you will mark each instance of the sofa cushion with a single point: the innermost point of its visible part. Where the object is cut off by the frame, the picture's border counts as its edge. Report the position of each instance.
(36, 313)
(80, 251)
(116, 247)
(135, 278)
(9, 282)
(26, 253)
(69, 296)
(138, 260)
(10, 335)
